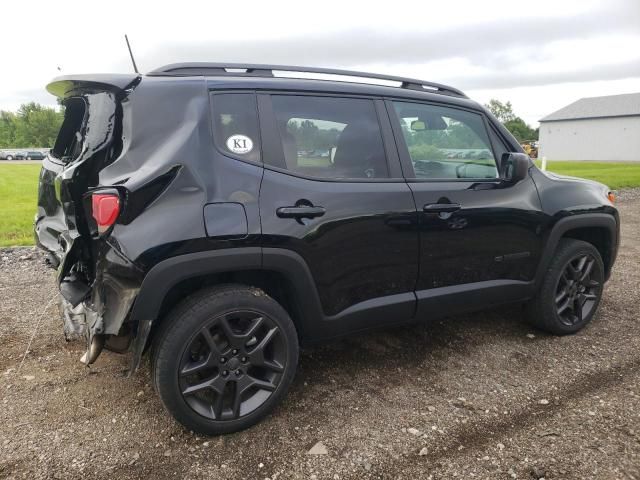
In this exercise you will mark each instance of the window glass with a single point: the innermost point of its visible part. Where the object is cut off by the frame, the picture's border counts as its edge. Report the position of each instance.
(71, 135)
(499, 148)
(330, 137)
(446, 143)
(235, 123)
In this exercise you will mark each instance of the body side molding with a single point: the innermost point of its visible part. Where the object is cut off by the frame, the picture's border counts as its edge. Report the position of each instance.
(443, 301)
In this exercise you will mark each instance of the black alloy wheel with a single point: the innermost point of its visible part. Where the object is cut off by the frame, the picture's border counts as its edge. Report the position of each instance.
(571, 289)
(579, 288)
(232, 365)
(224, 358)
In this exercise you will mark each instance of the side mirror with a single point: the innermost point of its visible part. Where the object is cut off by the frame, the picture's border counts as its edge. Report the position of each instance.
(514, 167)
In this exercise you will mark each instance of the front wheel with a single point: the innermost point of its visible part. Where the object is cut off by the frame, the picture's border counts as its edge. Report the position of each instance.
(224, 359)
(571, 290)
(9, 157)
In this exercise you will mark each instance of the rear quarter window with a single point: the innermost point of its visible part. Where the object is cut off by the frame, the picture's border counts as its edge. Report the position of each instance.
(70, 136)
(235, 125)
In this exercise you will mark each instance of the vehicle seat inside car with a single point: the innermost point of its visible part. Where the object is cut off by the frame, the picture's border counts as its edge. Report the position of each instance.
(358, 155)
(290, 149)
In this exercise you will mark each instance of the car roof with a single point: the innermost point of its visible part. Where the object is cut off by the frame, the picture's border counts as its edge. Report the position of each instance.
(264, 70)
(331, 86)
(262, 76)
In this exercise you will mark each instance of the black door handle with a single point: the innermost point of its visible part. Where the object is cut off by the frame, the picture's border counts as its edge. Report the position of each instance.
(305, 211)
(441, 207)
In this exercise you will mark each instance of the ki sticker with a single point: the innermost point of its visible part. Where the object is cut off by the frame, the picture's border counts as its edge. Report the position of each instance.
(240, 144)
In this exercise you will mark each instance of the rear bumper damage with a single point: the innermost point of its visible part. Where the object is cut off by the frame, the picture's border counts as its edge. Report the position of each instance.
(80, 321)
(99, 312)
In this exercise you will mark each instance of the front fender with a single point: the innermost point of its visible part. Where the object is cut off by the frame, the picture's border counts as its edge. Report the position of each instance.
(571, 222)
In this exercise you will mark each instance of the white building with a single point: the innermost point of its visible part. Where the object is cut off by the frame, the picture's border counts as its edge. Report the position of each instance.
(598, 128)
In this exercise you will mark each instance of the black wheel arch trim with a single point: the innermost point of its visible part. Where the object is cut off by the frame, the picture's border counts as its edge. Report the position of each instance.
(168, 273)
(572, 222)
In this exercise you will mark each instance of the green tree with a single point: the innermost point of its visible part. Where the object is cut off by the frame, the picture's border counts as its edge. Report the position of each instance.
(502, 111)
(7, 128)
(33, 125)
(521, 130)
(516, 125)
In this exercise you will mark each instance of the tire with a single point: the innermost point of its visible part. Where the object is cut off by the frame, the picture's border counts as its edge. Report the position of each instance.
(571, 290)
(9, 157)
(28, 158)
(219, 342)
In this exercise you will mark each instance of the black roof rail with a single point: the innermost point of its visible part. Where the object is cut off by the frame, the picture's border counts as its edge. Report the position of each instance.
(259, 70)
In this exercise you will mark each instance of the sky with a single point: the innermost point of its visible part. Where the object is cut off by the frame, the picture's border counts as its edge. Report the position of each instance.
(539, 55)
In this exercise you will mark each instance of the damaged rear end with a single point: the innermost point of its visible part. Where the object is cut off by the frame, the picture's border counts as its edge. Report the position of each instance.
(77, 212)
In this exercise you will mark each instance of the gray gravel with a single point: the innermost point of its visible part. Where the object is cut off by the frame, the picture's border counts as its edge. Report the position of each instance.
(475, 396)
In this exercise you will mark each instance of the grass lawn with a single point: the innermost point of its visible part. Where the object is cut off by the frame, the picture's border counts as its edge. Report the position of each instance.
(18, 200)
(19, 190)
(614, 174)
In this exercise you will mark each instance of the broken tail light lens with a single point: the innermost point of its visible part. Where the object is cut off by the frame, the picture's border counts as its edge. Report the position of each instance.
(105, 208)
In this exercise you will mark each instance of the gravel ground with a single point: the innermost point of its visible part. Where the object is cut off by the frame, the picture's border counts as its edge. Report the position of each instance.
(475, 396)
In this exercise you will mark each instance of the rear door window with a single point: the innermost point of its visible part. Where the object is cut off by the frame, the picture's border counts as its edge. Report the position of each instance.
(235, 125)
(446, 143)
(330, 137)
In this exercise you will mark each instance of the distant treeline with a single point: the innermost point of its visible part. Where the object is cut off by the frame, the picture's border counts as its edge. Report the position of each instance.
(33, 125)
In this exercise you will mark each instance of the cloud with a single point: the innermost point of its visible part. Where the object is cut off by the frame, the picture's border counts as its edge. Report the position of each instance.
(550, 48)
(529, 78)
(13, 100)
(497, 44)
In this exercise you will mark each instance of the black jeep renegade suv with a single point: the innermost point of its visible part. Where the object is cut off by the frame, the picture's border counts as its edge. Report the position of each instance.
(220, 216)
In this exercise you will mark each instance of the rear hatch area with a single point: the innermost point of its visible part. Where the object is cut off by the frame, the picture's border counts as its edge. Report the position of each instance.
(74, 211)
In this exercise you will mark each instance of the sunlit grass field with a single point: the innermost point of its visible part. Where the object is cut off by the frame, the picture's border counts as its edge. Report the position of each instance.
(19, 190)
(18, 199)
(614, 174)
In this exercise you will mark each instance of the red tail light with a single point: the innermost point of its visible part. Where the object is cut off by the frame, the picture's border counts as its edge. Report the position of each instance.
(105, 208)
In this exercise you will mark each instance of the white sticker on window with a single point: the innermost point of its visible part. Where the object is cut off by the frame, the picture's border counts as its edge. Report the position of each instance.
(240, 144)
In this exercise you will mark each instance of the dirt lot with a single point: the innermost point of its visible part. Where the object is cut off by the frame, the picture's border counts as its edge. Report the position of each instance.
(476, 396)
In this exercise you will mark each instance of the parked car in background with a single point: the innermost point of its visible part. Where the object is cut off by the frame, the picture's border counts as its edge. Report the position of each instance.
(34, 155)
(4, 155)
(22, 155)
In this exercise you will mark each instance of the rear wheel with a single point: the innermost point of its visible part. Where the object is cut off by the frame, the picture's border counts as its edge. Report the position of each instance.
(571, 291)
(224, 359)
(9, 157)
